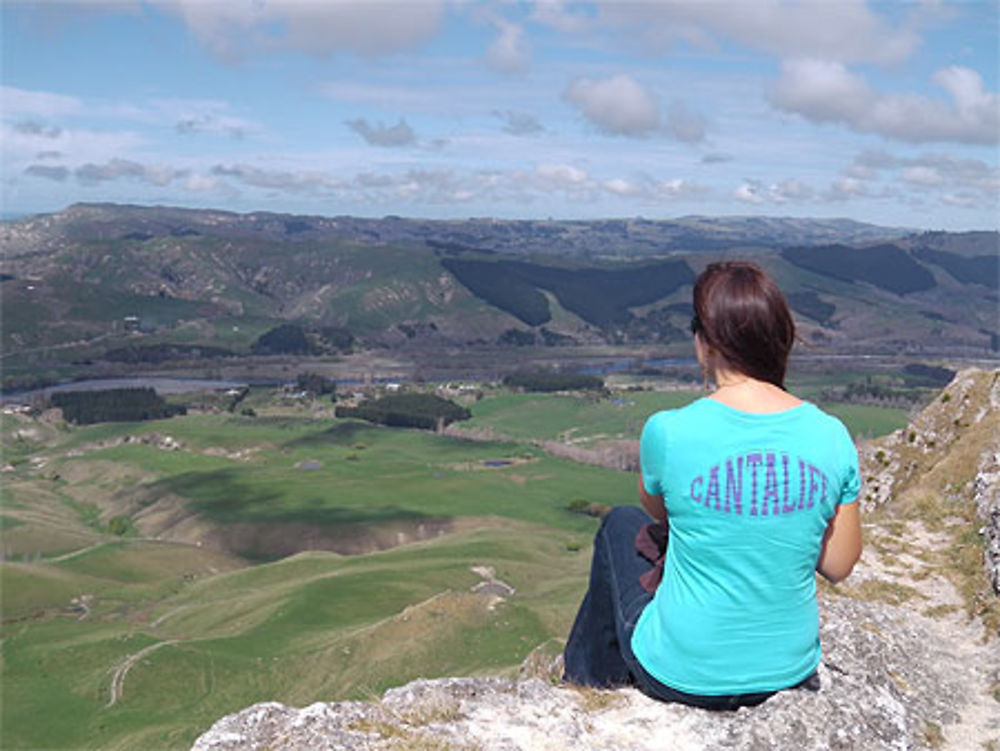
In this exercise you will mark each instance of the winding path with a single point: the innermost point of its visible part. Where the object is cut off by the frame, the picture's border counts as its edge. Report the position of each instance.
(121, 670)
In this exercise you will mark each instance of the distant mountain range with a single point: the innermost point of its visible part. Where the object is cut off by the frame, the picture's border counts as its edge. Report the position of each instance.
(218, 280)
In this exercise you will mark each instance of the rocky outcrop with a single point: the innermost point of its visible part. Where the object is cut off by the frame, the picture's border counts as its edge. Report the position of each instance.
(888, 682)
(951, 450)
(986, 496)
(965, 416)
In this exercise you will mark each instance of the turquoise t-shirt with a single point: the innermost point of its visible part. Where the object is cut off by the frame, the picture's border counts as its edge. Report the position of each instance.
(748, 497)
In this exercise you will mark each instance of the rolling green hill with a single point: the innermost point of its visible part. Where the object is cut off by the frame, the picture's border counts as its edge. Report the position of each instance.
(116, 286)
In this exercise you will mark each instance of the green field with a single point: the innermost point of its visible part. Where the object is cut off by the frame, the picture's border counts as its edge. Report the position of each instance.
(208, 603)
(586, 419)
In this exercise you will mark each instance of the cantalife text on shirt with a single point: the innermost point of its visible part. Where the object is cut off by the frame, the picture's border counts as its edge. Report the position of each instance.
(761, 483)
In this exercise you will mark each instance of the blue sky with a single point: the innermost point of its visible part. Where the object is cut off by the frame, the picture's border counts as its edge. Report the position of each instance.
(881, 112)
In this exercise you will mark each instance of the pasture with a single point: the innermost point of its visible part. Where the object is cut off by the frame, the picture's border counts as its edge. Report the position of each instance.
(290, 557)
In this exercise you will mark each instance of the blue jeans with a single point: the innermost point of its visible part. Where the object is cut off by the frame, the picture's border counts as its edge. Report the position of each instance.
(599, 649)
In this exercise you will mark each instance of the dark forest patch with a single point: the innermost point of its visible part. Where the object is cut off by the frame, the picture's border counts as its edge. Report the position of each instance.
(812, 306)
(599, 296)
(886, 266)
(983, 270)
(159, 353)
(114, 405)
(425, 411)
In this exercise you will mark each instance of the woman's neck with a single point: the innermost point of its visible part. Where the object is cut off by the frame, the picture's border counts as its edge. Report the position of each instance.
(748, 394)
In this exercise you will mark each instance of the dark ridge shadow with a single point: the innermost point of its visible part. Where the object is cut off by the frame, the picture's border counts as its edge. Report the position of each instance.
(258, 525)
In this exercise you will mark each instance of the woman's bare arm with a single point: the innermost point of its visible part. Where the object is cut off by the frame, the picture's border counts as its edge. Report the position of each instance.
(652, 503)
(841, 543)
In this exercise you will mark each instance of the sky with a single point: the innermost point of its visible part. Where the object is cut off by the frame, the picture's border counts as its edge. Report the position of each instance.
(883, 112)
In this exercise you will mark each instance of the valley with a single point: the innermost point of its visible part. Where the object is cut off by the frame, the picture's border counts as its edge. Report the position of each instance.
(157, 575)
(295, 556)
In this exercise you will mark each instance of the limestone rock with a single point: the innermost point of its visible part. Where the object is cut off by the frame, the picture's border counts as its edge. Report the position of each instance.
(986, 496)
(886, 684)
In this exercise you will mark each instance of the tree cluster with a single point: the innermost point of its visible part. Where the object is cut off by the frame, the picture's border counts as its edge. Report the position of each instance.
(113, 405)
(293, 339)
(426, 411)
(316, 384)
(159, 353)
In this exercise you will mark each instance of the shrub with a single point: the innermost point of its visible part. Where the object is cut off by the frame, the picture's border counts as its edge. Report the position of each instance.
(119, 525)
(316, 384)
(286, 339)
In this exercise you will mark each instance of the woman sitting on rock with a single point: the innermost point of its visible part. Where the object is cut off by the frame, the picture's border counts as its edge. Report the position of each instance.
(760, 489)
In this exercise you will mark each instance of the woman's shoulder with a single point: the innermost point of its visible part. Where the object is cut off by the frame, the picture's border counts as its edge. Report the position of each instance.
(671, 419)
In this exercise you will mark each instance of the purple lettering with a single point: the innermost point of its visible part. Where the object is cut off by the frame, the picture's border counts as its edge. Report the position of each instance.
(770, 485)
(754, 461)
(814, 485)
(734, 485)
(802, 484)
(699, 480)
(713, 488)
(786, 507)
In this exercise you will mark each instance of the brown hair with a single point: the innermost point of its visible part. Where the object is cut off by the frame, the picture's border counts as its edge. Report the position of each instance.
(742, 315)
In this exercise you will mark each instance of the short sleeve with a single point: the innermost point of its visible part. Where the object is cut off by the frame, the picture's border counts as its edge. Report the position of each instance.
(850, 488)
(653, 453)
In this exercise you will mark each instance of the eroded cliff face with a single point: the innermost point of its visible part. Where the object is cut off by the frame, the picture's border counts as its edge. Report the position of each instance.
(904, 665)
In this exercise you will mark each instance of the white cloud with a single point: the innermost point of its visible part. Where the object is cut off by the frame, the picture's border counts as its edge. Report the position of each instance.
(231, 29)
(846, 188)
(749, 192)
(648, 190)
(790, 190)
(49, 172)
(509, 52)
(117, 169)
(21, 145)
(562, 176)
(519, 123)
(16, 103)
(204, 184)
(684, 124)
(965, 176)
(32, 128)
(400, 134)
(556, 15)
(284, 180)
(198, 116)
(621, 187)
(616, 106)
(844, 30)
(922, 176)
(827, 92)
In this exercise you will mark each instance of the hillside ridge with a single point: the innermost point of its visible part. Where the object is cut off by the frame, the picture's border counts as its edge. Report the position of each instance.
(84, 285)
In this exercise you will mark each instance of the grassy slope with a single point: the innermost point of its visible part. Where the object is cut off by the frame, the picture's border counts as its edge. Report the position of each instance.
(314, 626)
